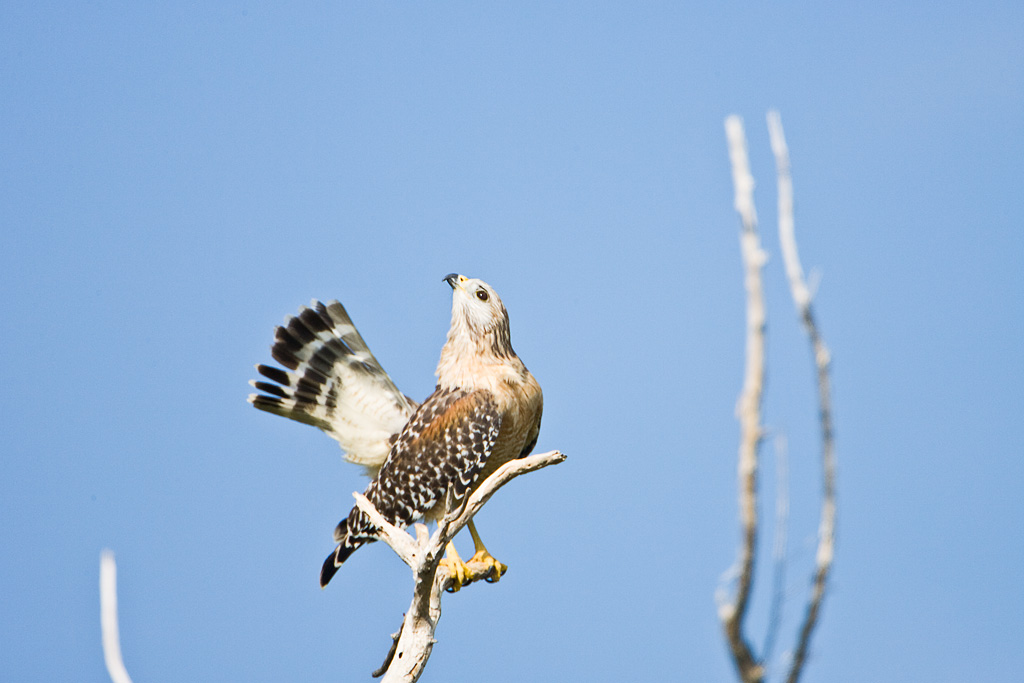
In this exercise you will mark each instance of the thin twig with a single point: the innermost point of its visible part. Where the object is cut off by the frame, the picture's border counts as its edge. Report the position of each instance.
(108, 619)
(802, 299)
(748, 407)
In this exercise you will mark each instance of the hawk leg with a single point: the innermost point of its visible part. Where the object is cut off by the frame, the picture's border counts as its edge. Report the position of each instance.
(457, 569)
(463, 573)
(495, 570)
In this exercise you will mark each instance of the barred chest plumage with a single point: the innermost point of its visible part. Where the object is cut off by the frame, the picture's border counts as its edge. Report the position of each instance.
(516, 396)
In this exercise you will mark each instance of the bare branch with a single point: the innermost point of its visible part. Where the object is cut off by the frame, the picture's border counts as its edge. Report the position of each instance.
(732, 613)
(802, 299)
(108, 619)
(415, 640)
(499, 478)
(400, 541)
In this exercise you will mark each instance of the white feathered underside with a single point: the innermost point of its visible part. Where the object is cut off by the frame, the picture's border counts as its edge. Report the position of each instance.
(367, 415)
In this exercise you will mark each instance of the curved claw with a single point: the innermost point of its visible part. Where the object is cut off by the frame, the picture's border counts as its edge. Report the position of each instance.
(461, 573)
(495, 569)
(458, 571)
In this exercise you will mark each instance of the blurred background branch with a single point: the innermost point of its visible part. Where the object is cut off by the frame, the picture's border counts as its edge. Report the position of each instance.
(732, 611)
(108, 619)
(748, 409)
(802, 298)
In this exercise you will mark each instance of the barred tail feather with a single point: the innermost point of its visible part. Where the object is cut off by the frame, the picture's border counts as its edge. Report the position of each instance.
(333, 563)
(333, 382)
(346, 546)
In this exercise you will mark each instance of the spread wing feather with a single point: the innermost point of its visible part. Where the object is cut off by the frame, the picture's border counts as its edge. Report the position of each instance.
(333, 382)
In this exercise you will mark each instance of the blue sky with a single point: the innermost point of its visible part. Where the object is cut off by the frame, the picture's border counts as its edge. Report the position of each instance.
(175, 179)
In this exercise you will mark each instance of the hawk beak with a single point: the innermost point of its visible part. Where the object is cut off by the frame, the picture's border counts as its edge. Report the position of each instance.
(454, 279)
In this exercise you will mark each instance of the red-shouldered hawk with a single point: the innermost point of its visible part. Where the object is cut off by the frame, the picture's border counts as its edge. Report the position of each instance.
(485, 411)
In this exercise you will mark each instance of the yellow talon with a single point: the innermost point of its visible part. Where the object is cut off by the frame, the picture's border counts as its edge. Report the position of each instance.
(457, 569)
(461, 573)
(495, 569)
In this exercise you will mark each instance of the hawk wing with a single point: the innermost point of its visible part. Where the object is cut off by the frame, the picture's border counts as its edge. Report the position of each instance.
(446, 443)
(333, 382)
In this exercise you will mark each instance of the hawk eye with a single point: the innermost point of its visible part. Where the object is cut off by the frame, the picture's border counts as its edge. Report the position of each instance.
(481, 294)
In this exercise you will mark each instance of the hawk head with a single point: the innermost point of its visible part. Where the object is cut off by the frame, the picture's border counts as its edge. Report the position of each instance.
(479, 333)
(476, 308)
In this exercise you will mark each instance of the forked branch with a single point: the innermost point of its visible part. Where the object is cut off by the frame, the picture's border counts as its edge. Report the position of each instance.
(415, 639)
(732, 611)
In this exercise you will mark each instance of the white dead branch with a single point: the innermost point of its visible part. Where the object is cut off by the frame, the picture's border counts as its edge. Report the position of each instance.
(108, 619)
(415, 639)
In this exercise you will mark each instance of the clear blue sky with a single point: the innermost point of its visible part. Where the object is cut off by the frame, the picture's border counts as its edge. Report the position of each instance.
(174, 180)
